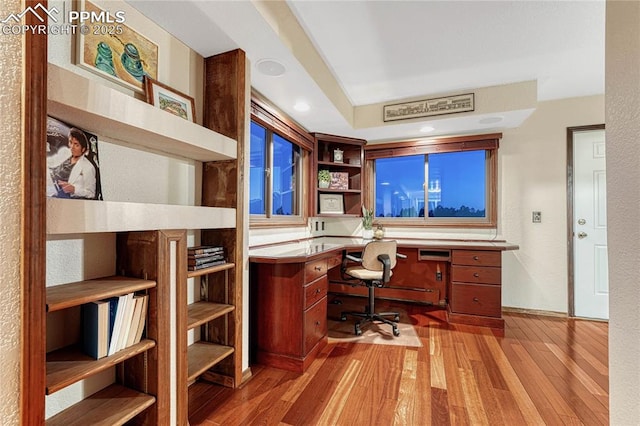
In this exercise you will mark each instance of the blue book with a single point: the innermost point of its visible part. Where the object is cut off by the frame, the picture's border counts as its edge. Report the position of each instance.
(95, 328)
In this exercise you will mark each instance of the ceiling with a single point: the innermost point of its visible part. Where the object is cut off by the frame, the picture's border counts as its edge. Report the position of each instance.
(347, 59)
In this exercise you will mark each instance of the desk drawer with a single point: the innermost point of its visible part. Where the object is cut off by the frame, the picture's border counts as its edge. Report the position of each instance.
(476, 257)
(315, 269)
(476, 274)
(315, 325)
(476, 299)
(315, 291)
(334, 261)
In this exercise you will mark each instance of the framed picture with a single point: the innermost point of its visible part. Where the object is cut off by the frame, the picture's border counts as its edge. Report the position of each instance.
(72, 162)
(339, 180)
(170, 100)
(115, 51)
(331, 204)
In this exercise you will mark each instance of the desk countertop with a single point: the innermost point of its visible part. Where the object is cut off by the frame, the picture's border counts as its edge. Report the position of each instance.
(304, 250)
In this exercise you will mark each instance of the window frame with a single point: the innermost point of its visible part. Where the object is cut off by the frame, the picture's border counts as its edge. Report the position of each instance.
(275, 122)
(489, 143)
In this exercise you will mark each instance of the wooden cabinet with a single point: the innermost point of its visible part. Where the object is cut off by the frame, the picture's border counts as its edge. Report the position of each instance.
(475, 295)
(289, 311)
(347, 173)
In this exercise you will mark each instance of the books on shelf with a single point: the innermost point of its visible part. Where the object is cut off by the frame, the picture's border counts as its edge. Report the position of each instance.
(201, 257)
(113, 324)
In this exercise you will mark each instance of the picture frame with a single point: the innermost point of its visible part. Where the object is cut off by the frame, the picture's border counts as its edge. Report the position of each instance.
(331, 204)
(115, 51)
(339, 180)
(170, 100)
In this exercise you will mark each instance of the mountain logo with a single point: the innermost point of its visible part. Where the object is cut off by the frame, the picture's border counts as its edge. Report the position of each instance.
(33, 10)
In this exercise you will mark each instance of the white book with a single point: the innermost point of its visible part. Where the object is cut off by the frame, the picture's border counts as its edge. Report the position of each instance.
(126, 322)
(117, 325)
(135, 320)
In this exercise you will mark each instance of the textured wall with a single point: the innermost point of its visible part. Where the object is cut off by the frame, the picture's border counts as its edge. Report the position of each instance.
(10, 64)
(623, 210)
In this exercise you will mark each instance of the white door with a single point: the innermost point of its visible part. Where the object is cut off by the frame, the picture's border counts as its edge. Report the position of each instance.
(591, 282)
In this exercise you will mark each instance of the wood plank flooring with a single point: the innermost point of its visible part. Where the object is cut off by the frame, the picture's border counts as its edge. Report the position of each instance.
(539, 370)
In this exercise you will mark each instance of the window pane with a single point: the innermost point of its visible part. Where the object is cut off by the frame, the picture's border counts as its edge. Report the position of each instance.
(285, 165)
(457, 184)
(257, 165)
(400, 186)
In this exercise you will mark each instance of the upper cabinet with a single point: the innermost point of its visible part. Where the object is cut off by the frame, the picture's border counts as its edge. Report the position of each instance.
(343, 158)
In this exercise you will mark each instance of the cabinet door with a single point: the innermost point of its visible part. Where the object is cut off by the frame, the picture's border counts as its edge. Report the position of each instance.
(315, 325)
(476, 299)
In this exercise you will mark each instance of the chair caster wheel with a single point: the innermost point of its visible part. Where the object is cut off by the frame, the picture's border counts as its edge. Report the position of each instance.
(343, 318)
(396, 332)
(358, 332)
(396, 318)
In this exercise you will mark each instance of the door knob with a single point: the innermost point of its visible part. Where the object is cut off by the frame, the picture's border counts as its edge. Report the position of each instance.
(581, 235)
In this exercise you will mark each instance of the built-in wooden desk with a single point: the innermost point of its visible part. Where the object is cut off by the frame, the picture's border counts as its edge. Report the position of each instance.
(290, 282)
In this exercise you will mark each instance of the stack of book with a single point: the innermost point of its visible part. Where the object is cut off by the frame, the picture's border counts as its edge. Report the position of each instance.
(113, 324)
(201, 257)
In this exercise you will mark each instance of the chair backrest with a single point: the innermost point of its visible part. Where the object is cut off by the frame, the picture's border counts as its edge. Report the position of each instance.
(375, 248)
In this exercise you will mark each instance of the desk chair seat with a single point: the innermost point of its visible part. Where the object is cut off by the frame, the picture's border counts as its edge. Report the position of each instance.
(374, 270)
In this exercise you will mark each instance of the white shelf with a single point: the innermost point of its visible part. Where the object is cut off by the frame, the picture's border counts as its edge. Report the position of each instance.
(99, 109)
(65, 216)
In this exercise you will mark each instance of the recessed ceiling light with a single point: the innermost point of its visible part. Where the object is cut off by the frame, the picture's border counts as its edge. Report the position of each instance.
(426, 129)
(490, 120)
(301, 106)
(270, 67)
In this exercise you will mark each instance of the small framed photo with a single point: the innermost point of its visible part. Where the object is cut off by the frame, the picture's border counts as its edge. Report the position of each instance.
(170, 100)
(339, 180)
(331, 204)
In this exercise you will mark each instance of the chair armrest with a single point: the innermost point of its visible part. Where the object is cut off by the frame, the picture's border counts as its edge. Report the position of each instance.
(386, 264)
(353, 258)
(401, 256)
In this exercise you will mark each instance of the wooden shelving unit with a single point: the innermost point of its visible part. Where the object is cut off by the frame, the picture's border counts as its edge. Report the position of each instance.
(352, 164)
(203, 355)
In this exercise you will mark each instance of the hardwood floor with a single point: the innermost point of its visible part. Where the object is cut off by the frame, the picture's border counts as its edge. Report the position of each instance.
(540, 370)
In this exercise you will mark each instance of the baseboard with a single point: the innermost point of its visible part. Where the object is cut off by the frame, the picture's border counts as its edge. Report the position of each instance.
(508, 309)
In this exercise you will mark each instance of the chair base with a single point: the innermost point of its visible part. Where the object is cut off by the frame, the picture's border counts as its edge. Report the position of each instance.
(371, 317)
(369, 314)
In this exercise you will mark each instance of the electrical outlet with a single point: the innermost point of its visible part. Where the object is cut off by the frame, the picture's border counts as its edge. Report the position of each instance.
(536, 217)
(316, 225)
(323, 225)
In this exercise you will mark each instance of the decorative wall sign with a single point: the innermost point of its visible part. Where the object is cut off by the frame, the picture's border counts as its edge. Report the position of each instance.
(429, 107)
(116, 52)
(170, 100)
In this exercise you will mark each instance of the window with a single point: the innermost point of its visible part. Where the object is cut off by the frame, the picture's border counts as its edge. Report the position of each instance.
(435, 184)
(274, 170)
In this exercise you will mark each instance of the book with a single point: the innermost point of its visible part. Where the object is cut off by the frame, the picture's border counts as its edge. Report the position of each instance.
(143, 319)
(95, 328)
(205, 249)
(206, 265)
(117, 324)
(126, 322)
(201, 255)
(135, 320)
(203, 260)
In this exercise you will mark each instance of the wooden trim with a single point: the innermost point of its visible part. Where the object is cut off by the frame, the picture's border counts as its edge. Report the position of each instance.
(33, 240)
(570, 211)
(267, 115)
(339, 139)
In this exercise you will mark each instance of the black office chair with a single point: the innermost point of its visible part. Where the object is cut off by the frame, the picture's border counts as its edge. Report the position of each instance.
(377, 261)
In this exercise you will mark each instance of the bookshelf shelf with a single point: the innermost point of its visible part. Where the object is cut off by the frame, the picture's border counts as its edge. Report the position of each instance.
(86, 216)
(74, 294)
(199, 313)
(68, 365)
(204, 355)
(129, 121)
(114, 405)
(213, 269)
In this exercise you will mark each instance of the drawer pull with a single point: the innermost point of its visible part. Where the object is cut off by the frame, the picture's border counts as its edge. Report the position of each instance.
(476, 258)
(318, 291)
(475, 299)
(475, 274)
(317, 322)
(318, 268)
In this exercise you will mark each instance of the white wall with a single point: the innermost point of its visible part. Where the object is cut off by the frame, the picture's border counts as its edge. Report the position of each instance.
(623, 208)
(10, 202)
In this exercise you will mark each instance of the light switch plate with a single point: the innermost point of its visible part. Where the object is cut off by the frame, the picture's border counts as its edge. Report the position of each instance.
(536, 217)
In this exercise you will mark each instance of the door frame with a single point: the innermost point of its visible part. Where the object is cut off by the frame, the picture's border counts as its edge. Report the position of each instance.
(570, 210)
